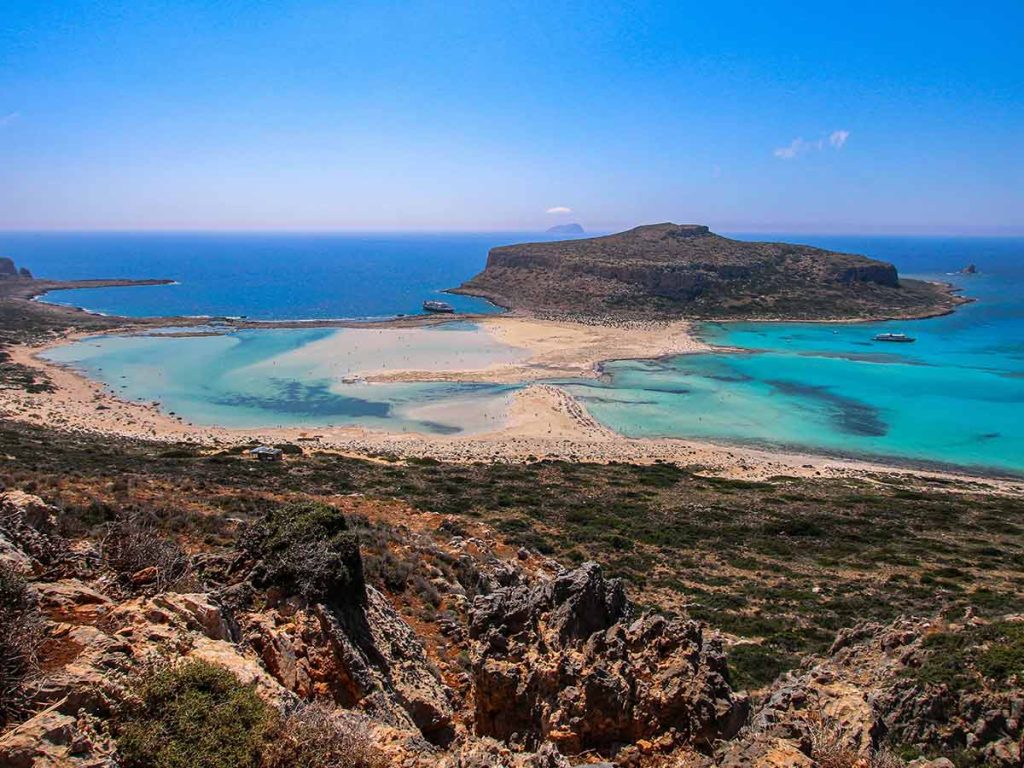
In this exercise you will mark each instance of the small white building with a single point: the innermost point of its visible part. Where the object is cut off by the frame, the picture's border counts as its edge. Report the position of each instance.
(267, 453)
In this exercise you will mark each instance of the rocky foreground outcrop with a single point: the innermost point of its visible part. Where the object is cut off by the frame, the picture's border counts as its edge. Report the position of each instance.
(559, 664)
(369, 659)
(568, 662)
(670, 271)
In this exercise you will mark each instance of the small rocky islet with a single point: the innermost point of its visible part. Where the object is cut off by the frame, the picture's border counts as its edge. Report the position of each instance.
(663, 271)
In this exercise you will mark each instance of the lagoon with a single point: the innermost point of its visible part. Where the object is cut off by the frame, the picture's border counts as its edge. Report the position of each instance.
(303, 377)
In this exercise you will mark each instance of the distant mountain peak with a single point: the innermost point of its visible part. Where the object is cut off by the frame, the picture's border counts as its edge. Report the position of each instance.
(566, 229)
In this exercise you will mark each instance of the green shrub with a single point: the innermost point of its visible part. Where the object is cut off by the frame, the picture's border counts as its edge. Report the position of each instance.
(306, 548)
(960, 660)
(194, 715)
(753, 666)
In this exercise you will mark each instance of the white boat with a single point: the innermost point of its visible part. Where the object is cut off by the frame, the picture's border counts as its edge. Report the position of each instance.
(897, 337)
(438, 306)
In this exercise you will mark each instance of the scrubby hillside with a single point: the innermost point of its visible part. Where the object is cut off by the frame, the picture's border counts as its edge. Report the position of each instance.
(331, 611)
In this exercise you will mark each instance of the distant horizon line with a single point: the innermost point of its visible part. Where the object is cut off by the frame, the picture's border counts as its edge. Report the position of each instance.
(905, 231)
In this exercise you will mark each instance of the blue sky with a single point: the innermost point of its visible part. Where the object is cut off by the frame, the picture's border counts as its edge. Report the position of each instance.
(812, 117)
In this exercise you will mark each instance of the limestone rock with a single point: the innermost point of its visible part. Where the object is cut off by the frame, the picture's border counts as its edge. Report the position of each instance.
(565, 661)
(365, 657)
(28, 526)
(91, 655)
(54, 739)
(14, 557)
(71, 597)
(198, 612)
(862, 690)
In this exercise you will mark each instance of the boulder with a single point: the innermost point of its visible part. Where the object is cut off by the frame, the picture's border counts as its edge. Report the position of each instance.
(14, 557)
(197, 611)
(90, 656)
(28, 526)
(73, 599)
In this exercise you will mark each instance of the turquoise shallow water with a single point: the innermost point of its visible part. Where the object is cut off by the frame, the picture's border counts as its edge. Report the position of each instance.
(298, 377)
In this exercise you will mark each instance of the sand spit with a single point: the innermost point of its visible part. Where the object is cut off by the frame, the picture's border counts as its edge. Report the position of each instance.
(560, 349)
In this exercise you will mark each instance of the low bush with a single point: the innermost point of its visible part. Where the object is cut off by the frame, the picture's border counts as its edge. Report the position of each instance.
(193, 715)
(21, 634)
(753, 666)
(830, 748)
(314, 736)
(132, 544)
(306, 548)
(993, 653)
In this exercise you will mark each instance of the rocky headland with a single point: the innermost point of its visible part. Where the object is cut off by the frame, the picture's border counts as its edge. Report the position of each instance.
(664, 271)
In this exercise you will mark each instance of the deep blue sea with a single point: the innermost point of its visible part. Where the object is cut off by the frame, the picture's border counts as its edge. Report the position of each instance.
(262, 276)
(954, 397)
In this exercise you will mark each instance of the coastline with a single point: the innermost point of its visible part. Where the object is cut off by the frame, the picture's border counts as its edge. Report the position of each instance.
(543, 422)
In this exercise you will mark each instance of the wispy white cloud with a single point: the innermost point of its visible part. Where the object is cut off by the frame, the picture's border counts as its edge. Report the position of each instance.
(559, 209)
(838, 138)
(798, 146)
(9, 118)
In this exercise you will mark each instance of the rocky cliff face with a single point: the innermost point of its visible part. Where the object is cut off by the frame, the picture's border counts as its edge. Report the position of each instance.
(668, 270)
(559, 664)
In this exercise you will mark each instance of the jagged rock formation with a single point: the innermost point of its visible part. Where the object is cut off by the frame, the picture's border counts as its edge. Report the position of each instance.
(565, 661)
(867, 695)
(670, 270)
(370, 659)
(558, 663)
(566, 229)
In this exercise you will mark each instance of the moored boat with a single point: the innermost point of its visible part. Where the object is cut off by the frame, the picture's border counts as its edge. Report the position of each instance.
(438, 306)
(897, 337)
